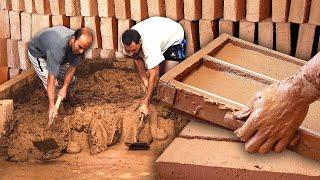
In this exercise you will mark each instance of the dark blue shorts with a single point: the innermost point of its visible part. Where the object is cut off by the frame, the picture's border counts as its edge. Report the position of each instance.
(176, 52)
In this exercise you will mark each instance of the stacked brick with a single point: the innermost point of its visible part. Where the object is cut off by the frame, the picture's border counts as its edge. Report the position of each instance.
(265, 22)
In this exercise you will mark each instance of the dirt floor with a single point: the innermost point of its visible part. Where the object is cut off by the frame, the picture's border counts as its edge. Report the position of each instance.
(103, 108)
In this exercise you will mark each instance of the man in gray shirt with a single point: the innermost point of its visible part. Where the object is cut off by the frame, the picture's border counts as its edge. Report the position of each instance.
(55, 53)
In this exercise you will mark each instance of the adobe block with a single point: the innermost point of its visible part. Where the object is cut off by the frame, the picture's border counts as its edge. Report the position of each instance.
(192, 9)
(280, 10)
(26, 26)
(61, 20)
(93, 54)
(72, 7)
(3, 52)
(208, 31)
(15, 25)
(106, 8)
(191, 29)
(314, 17)
(94, 24)
(13, 72)
(23, 55)
(299, 11)
(122, 9)
(4, 24)
(212, 9)
(283, 37)
(5, 5)
(40, 22)
(258, 10)
(17, 5)
(42, 6)
(76, 22)
(265, 33)
(246, 30)
(29, 6)
(234, 10)
(89, 7)
(174, 9)
(109, 33)
(226, 26)
(4, 74)
(57, 7)
(305, 41)
(139, 10)
(156, 8)
(13, 54)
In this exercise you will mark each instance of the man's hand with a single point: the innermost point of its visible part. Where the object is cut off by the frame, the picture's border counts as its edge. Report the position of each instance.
(63, 93)
(273, 116)
(144, 108)
(52, 112)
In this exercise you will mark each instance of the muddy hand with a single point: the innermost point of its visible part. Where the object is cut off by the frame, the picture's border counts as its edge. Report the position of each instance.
(144, 109)
(273, 117)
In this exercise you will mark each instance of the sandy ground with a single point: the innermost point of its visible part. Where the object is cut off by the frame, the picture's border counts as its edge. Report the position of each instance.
(107, 96)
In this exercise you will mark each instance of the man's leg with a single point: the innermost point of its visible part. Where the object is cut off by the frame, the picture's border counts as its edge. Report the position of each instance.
(62, 73)
(40, 66)
(169, 65)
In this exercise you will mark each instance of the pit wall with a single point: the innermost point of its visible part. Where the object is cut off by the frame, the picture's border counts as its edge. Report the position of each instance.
(291, 27)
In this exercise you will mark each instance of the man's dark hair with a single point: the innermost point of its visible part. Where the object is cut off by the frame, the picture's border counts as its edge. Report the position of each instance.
(77, 34)
(130, 36)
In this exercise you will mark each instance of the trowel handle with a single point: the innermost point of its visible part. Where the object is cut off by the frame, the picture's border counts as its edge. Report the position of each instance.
(58, 102)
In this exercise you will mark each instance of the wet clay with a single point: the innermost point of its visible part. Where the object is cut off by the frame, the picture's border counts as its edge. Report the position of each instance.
(187, 158)
(257, 61)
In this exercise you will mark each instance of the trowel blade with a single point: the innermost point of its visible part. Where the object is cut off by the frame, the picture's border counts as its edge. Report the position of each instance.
(138, 146)
(46, 145)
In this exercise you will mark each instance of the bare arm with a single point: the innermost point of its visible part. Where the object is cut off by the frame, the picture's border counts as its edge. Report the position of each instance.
(141, 71)
(67, 80)
(152, 83)
(51, 94)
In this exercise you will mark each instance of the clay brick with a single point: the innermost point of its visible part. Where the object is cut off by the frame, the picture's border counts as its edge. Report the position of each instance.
(29, 6)
(122, 9)
(234, 10)
(3, 52)
(192, 9)
(191, 29)
(246, 30)
(42, 6)
(188, 159)
(6, 115)
(4, 74)
(13, 72)
(280, 10)
(109, 33)
(107, 55)
(17, 5)
(93, 54)
(89, 7)
(265, 33)
(208, 31)
(212, 9)
(23, 56)
(76, 22)
(139, 10)
(40, 22)
(174, 9)
(305, 41)
(283, 38)
(13, 54)
(57, 7)
(26, 28)
(61, 20)
(72, 7)
(123, 25)
(94, 24)
(106, 8)
(5, 5)
(314, 17)
(299, 11)
(258, 10)
(4, 24)
(228, 27)
(15, 25)
(156, 8)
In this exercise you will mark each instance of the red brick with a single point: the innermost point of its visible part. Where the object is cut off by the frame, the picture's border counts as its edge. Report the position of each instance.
(4, 74)
(72, 7)
(280, 10)
(76, 22)
(139, 10)
(191, 29)
(57, 7)
(234, 10)
(106, 8)
(246, 30)
(123, 25)
(29, 6)
(94, 24)
(258, 10)
(13, 54)
(314, 17)
(299, 11)
(93, 54)
(89, 7)
(212, 9)
(109, 33)
(23, 57)
(226, 26)
(13, 72)
(192, 10)
(3, 52)
(208, 31)
(61, 20)
(283, 38)
(122, 9)
(265, 33)
(208, 159)
(26, 28)
(5, 5)
(156, 8)
(40, 22)
(15, 25)
(305, 41)
(174, 9)
(6, 115)
(42, 6)
(4, 24)
(17, 5)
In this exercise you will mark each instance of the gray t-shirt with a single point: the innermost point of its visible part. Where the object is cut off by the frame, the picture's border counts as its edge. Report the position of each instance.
(52, 44)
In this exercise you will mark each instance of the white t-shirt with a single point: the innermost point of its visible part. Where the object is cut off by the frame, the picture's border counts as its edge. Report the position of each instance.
(157, 35)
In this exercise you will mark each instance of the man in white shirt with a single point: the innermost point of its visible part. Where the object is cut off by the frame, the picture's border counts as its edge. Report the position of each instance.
(156, 44)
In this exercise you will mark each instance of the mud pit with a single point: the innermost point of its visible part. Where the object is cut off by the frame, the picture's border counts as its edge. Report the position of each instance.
(108, 96)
